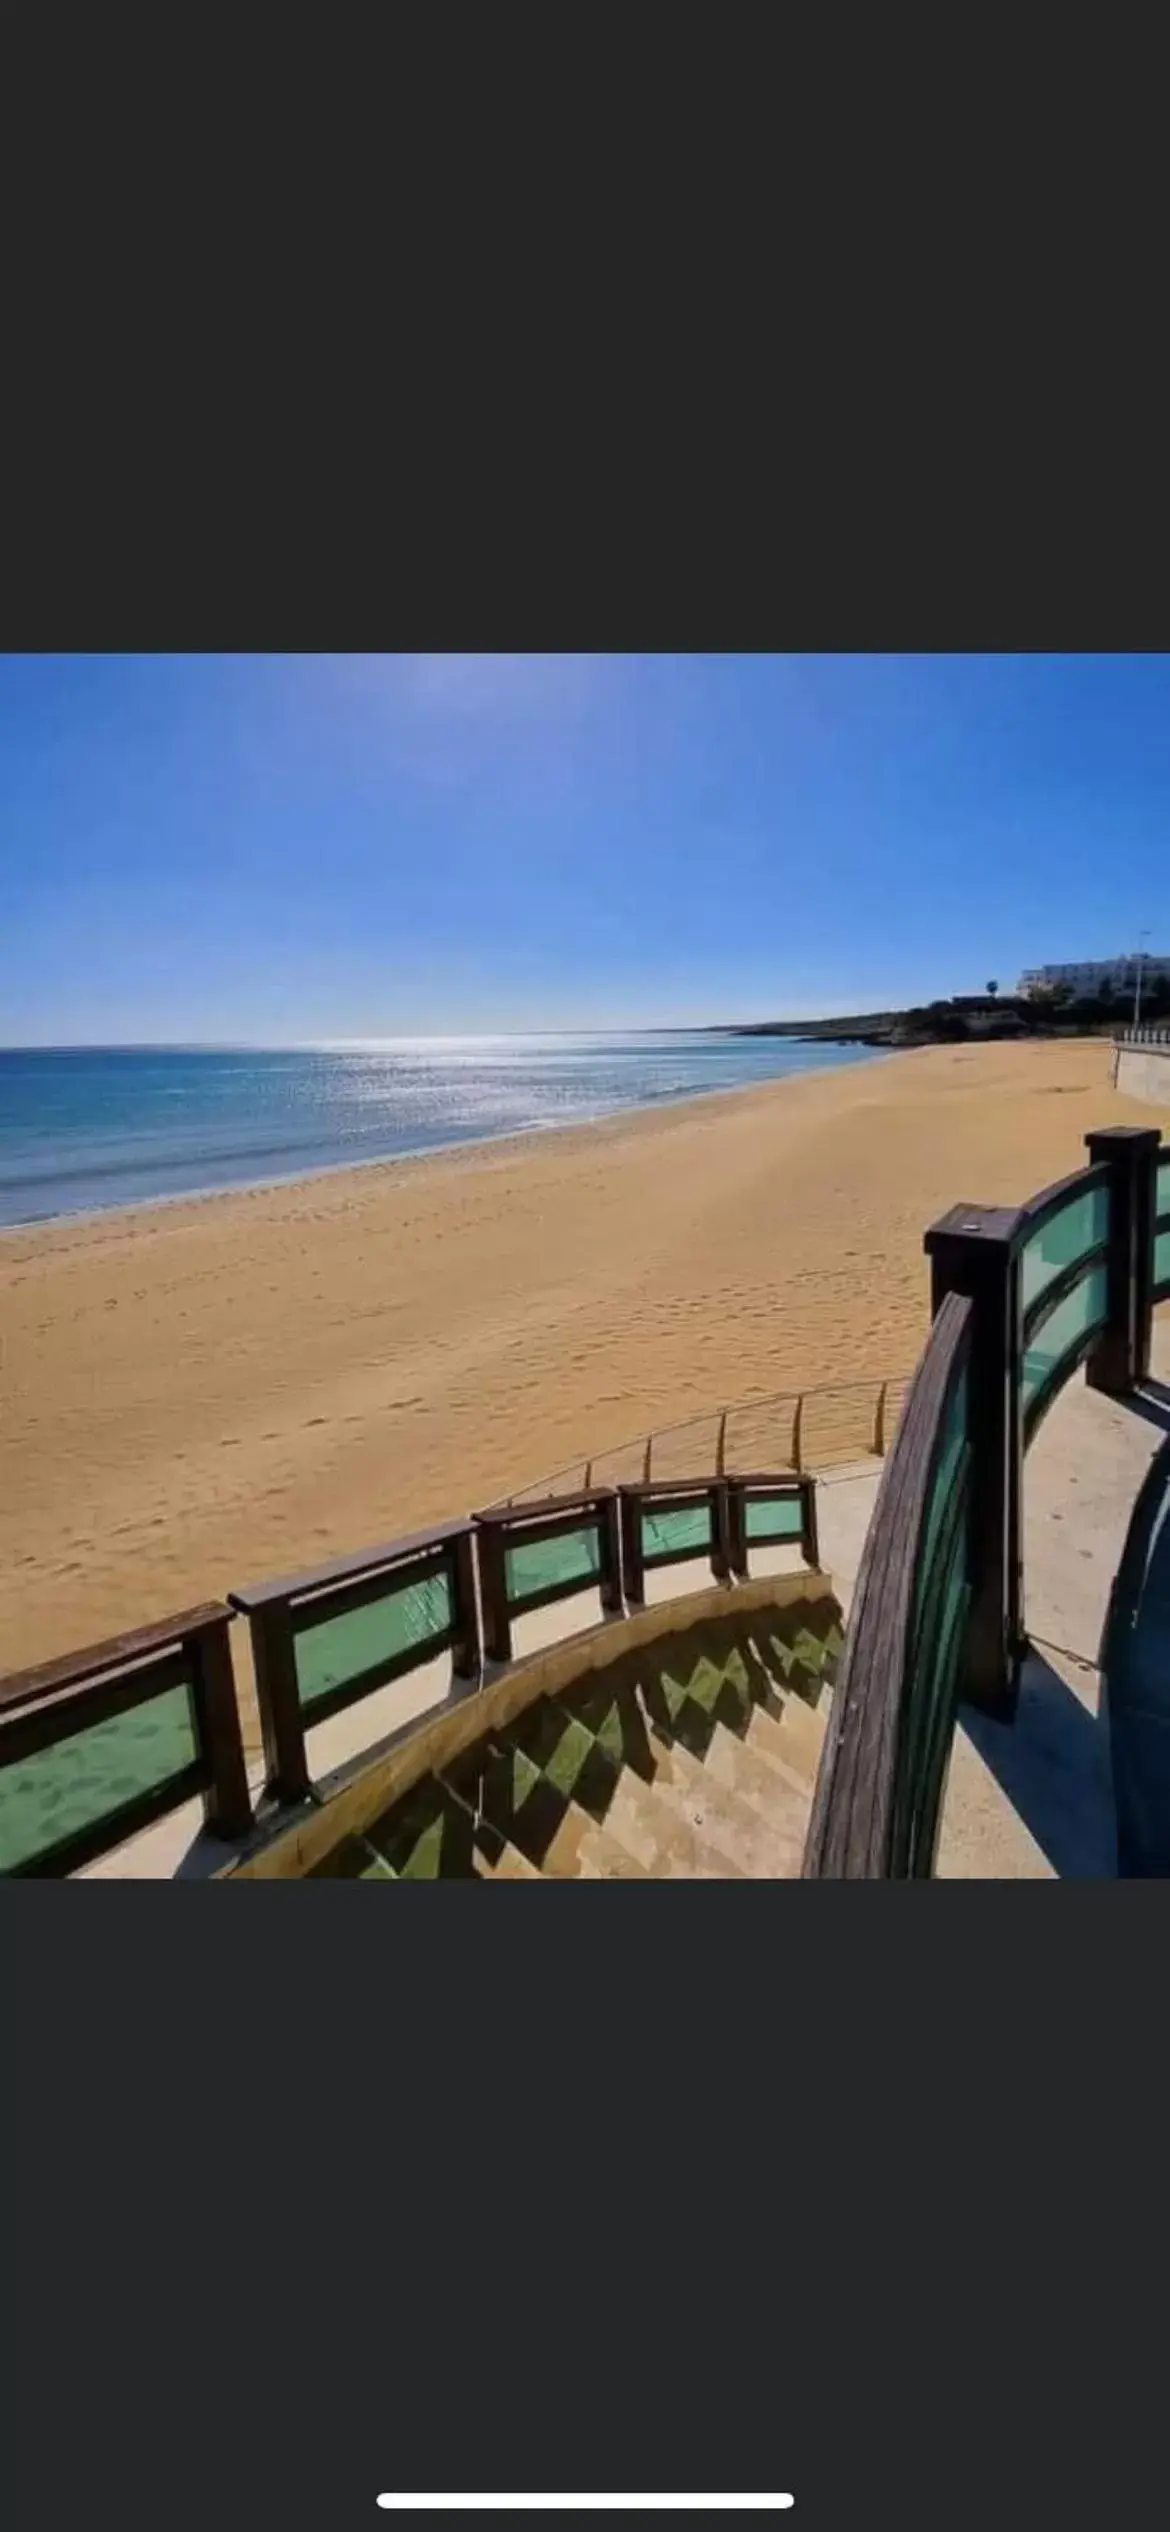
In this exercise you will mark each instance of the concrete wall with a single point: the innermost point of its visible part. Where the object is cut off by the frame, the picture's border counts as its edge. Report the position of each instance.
(1143, 1072)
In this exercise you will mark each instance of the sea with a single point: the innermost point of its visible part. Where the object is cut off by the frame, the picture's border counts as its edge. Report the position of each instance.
(83, 1128)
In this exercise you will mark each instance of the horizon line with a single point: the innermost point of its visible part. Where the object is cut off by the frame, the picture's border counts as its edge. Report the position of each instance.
(406, 1037)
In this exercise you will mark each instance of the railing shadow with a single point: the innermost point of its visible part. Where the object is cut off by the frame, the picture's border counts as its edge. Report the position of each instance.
(1135, 1661)
(1053, 1765)
(1152, 1402)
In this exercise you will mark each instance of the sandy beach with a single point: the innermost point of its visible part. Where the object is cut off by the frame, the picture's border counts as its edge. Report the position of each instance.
(199, 1394)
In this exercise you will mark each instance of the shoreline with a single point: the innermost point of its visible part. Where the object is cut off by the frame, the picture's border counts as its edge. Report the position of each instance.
(419, 1153)
(213, 1388)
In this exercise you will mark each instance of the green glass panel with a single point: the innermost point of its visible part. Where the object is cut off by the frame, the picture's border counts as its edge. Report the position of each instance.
(950, 1468)
(1080, 1225)
(930, 1667)
(1162, 1258)
(954, 1597)
(1163, 1198)
(928, 1706)
(332, 1651)
(1081, 1309)
(948, 1543)
(926, 1791)
(772, 1517)
(536, 1565)
(60, 1791)
(675, 1533)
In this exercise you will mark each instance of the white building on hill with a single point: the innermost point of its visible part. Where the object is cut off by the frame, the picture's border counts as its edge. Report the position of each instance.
(1086, 975)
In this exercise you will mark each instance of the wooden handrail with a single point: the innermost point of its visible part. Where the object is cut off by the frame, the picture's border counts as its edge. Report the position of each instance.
(341, 1569)
(116, 1652)
(850, 1829)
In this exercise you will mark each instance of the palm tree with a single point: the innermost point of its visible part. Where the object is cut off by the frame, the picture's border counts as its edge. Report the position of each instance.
(993, 986)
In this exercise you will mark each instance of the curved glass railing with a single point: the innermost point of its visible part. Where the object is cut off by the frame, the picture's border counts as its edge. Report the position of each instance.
(1162, 1233)
(1062, 1243)
(1066, 1279)
(879, 1788)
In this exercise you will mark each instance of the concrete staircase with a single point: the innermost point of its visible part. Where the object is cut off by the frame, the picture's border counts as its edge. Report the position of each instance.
(690, 1758)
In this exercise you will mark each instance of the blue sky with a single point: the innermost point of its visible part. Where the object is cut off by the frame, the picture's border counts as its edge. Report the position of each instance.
(294, 847)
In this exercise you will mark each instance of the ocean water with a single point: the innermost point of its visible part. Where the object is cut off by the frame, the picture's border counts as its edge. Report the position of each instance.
(86, 1127)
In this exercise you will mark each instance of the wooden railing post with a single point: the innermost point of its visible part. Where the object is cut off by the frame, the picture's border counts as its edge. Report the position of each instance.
(1121, 1355)
(633, 1569)
(971, 1250)
(879, 1424)
(228, 1803)
(737, 1546)
(493, 1588)
(810, 1541)
(278, 1697)
(609, 1540)
(467, 1647)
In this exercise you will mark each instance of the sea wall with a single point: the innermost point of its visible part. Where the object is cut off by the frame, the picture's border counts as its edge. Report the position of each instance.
(1143, 1072)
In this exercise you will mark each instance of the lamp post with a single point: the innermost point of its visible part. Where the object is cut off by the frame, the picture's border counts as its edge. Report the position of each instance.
(1137, 979)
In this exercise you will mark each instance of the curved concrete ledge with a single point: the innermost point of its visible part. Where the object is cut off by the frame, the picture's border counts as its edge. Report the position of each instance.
(290, 1848)
(1143, 1072)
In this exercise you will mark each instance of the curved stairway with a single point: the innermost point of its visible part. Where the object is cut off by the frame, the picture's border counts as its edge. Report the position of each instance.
(690, 1756)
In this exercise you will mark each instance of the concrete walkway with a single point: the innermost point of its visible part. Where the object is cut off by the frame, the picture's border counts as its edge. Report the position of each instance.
(1033, 1800)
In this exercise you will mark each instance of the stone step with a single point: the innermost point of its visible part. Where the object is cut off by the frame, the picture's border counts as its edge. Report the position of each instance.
(427, 1835)
(610, 1708)
(685, 1708)
(725, 1823)
(579, 1850)
(686, 1766)
(780, 1798)
(495, 1855)
(354, 1860)
(780, 1759)
(520, 1806)
(666, 1843)
(570, 1754)
(792, 1733)
(527, 1823)
(508, 1864)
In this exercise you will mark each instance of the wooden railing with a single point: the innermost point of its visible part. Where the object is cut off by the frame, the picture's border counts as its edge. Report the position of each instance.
(799, 1430)
(323, 1640)
(879, 1785)
(549, 1551)
(70, 1788)
(1021, 1298)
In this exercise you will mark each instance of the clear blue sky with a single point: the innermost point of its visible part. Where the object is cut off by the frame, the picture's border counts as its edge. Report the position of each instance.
(287, 847)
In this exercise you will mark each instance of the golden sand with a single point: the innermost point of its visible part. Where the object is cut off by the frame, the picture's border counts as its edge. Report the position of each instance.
(199, 1394)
